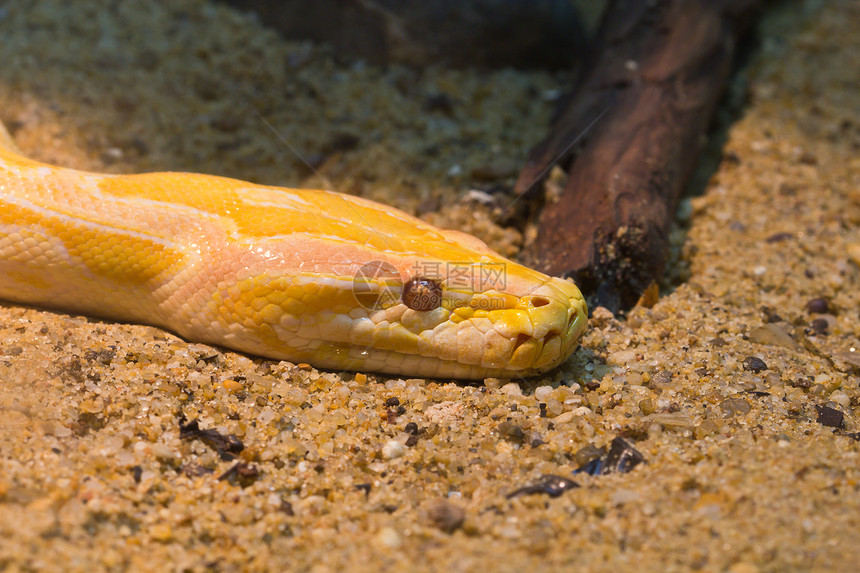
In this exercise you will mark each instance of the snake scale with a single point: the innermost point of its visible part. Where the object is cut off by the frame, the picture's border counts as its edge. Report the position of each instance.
(333, 280)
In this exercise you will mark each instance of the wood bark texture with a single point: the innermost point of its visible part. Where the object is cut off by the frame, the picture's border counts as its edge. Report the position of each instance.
(658, 71)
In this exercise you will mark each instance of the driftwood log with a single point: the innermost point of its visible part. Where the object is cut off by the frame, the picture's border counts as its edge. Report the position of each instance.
(455, 33)
(658, 71)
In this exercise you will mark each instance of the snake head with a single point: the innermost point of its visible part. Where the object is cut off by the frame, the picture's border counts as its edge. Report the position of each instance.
(449, 308)
(491, 318)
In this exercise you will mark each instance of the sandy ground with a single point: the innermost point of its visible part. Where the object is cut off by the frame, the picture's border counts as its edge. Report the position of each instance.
(731, 386)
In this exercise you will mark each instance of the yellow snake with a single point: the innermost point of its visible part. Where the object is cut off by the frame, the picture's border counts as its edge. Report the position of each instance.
(302, 275)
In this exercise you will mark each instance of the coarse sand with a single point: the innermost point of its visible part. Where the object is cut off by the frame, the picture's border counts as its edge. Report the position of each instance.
(123, 447)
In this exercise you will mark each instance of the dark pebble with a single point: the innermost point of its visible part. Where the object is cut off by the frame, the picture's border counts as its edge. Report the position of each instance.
(803, 382)
(365, 487)
(446, 516)
(770, 315)
(103, 357)
(818, 306)
(411, 428)
(621, 458)
(830, 417)
(778, 237)
(227, 445)
(241, 474)
(759, 393)
(552, 485)
(661, 378)
(286, 508)
(819, 326)
(512, 432)
(754, 364)
(392, 402)
(592, 385)
(808, 158)
(391, 416)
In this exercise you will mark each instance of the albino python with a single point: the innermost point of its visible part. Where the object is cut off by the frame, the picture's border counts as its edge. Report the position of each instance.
(306, 276)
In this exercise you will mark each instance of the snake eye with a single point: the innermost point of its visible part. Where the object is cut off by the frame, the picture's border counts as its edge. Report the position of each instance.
(422, 294)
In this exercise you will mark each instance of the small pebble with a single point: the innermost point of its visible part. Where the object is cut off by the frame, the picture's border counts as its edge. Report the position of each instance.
(735, 407)
(830, 417)
(646, 406)
(661, 378)
(393, 449)
(512, 389)
(841, 398)
(553, 407)
(552, 485)
(231, 385)
(164, 453)
(564, 418)
(705, 429)
(818, 306)
(446, 516)
(541, 392)
(389, 538)
(754, 364)
(819, 326)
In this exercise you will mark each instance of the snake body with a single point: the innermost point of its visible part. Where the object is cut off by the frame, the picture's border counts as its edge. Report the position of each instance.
(291, 274)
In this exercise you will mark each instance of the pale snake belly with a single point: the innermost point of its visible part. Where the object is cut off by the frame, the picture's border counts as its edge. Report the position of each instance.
(302, 275)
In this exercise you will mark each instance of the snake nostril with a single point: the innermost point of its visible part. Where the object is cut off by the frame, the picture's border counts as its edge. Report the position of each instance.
(539, 301)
